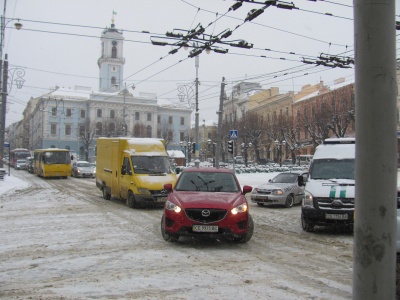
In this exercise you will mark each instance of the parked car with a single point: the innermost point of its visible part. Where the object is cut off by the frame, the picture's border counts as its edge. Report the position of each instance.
(29, 164)
(20, 164)
(207, 202)
(280, 190)
(82, 169)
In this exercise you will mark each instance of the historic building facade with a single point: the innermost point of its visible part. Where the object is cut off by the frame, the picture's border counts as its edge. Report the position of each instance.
(73, 118)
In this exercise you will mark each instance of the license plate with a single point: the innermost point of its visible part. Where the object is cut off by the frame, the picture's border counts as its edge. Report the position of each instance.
(262, 198)
(337, 216)
(205, 228)
(161, 199)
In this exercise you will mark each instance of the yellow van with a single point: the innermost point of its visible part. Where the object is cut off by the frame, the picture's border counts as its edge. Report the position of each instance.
(133, 169)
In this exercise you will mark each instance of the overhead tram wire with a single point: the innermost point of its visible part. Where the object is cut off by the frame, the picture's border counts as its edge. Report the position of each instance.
(274, 28)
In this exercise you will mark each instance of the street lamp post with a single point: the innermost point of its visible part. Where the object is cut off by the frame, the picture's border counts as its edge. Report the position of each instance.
(245, 147)
(210, 143)
(280, 144)
(4, 82)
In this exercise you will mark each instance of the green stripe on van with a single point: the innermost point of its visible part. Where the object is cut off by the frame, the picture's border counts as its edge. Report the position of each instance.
(333, 192)
(343, 192)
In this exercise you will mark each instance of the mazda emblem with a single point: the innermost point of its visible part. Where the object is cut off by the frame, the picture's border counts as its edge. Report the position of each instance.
(205, 213)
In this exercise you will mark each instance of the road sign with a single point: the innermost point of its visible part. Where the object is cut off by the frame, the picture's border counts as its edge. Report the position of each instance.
(7, 145)
(233, 134)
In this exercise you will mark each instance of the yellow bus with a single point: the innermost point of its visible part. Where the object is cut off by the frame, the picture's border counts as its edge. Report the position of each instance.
(52, 162)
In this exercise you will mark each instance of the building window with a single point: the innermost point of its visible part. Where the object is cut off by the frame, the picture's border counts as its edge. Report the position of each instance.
(148, 116)
(148, 131)
(170, 135)
(181, 136)
(182, 120)
(137, 116)
(113, 80)
(111, 129)
(112, 114)
(54, 111)
(114, 52)
(158, 119)
(53, 129)
(83, 113)
(82, 131)
(159, 133)
(99, 128)
(169, 120)
(68, 112)
(67, 129)
(136, 130)
(99, 113)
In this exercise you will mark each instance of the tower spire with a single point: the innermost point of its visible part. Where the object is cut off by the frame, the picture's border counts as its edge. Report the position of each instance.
(112, 19)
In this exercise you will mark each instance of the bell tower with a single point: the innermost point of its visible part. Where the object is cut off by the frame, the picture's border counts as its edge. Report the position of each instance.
(111, 62)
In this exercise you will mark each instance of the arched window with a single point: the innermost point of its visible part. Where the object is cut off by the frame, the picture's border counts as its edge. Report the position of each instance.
(111, 129)
(148, 131)
(99, 128)
(113, 80)
(136, 131)
(114, 52)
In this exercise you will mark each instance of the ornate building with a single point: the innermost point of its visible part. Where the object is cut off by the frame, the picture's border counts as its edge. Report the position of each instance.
(73, 118)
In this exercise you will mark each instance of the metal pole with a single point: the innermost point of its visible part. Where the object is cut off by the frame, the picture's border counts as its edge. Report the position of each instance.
(3, 109)
(219, 112)
(197, 160)
(374, 252)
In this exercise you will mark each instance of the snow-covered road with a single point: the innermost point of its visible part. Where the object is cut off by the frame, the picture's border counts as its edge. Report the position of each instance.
(60, 240)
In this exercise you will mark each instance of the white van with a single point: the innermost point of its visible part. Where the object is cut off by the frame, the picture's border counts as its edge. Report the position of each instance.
(330, 187)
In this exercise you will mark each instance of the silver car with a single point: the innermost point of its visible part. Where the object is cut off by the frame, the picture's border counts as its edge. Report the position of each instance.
(280, 190)
(82, 169)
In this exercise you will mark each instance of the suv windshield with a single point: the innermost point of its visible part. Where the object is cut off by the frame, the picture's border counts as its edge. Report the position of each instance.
(207, 182)
(332, 169)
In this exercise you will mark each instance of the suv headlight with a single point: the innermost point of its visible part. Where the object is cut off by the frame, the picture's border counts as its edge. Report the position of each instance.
(171, 206)
(308, 199)
(239, 209)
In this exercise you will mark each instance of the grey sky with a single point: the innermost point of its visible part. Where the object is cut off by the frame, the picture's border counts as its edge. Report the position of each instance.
(67, 55)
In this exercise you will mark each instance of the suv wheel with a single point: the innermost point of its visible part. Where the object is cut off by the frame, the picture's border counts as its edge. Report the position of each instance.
(250, 229)
(166, 236)
(306, 224)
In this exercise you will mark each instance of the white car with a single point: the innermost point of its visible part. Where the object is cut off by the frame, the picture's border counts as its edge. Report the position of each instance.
(20, 164)
(283, 189)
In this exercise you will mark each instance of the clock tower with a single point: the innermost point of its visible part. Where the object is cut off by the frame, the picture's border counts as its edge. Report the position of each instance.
(111, 62)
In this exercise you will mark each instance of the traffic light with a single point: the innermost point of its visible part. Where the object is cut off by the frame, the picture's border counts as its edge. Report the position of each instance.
(230, 146)
(193, 147)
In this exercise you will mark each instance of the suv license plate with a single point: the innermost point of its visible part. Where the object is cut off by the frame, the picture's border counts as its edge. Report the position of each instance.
(337, 216)
(204, 228)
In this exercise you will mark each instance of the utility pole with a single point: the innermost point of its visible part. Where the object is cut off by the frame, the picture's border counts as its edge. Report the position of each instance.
(219, 112)
(374, 252)
(197, 159)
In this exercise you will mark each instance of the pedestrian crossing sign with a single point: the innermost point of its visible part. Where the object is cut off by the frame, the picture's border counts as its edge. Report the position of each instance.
(233, 134)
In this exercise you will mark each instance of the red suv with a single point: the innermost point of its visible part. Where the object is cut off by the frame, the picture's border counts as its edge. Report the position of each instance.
(207, 202)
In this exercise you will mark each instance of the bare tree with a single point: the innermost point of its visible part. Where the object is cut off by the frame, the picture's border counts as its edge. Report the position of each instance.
(86, 135)
(167, 132)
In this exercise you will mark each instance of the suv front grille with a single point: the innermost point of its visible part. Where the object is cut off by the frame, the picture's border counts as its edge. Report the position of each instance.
(335, 203)
(202, 215)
